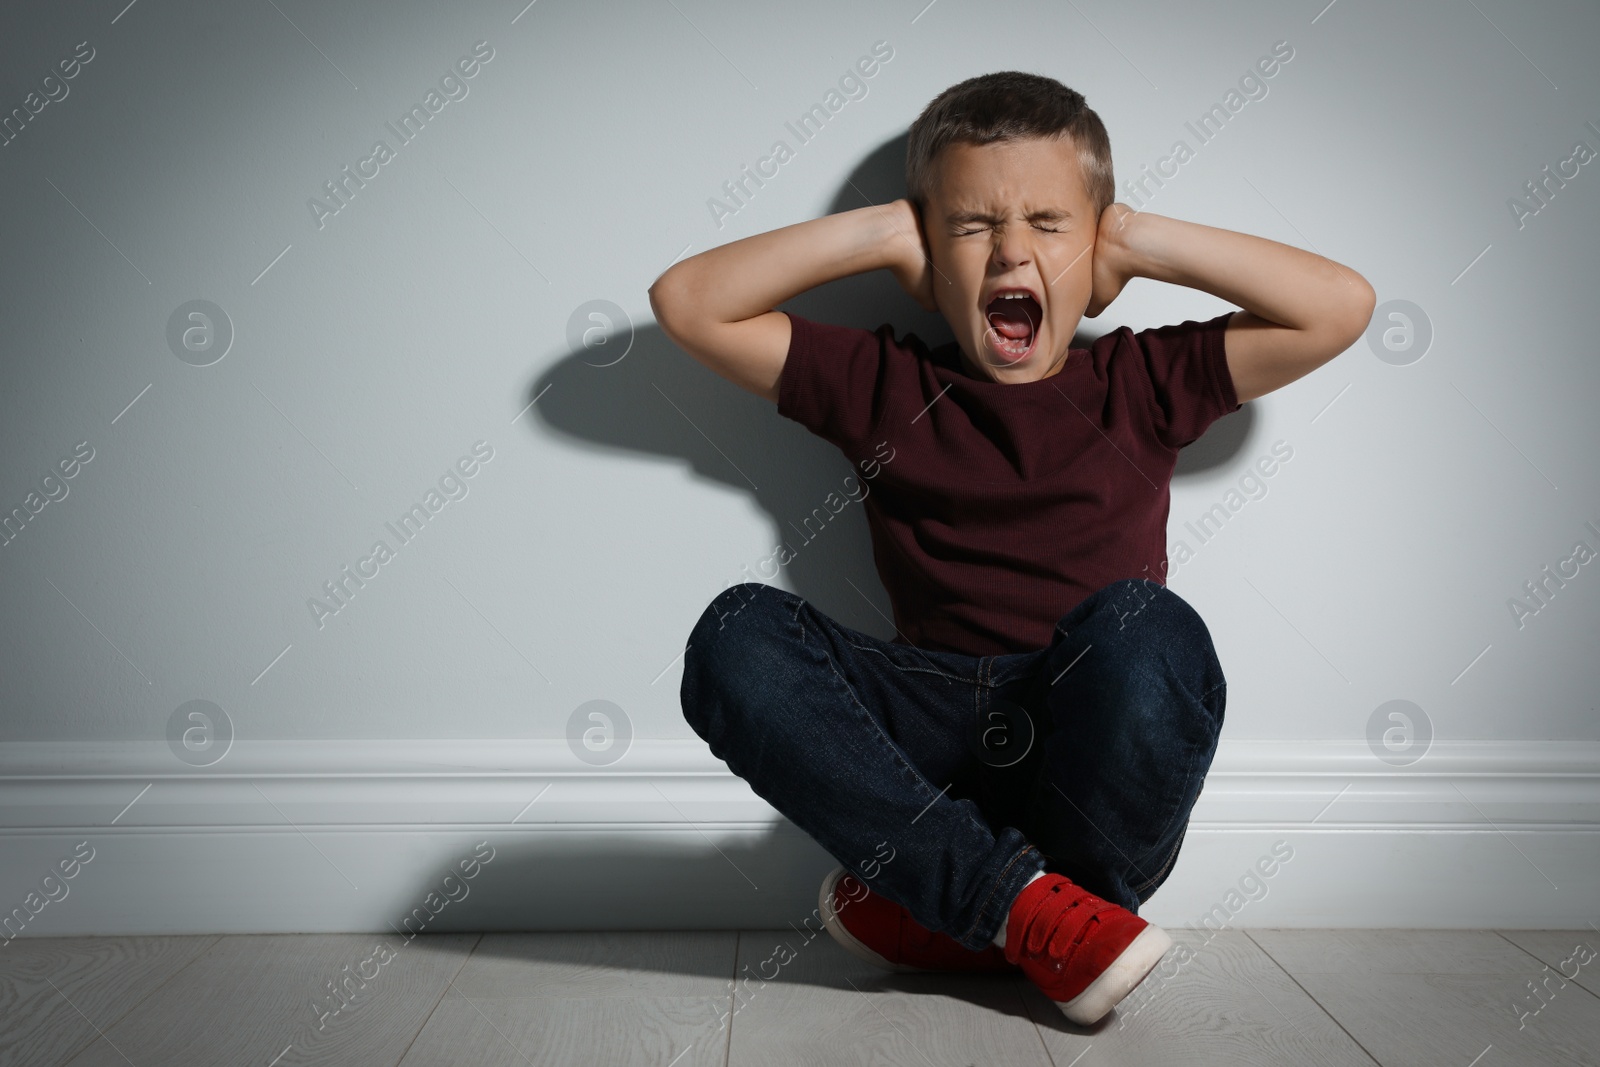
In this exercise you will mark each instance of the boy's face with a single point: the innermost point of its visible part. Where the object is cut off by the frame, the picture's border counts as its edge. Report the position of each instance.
(1011, 216)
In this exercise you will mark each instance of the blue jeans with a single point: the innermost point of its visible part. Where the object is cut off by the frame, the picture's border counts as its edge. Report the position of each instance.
(948, 780)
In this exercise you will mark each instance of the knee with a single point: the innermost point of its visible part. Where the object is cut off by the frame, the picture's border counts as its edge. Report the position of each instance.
(740, 615)
(1146, 615)
(1146, 636)
(1140, 602)
(732, 646)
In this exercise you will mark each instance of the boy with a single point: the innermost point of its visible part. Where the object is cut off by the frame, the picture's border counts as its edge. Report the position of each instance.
(1015, 770)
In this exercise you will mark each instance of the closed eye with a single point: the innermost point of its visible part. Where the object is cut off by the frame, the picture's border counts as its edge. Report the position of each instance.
(1046, 229)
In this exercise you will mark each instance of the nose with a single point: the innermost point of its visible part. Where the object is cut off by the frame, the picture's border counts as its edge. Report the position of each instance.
(1011, 247)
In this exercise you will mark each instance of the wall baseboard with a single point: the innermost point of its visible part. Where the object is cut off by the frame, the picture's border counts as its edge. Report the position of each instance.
(351, 835)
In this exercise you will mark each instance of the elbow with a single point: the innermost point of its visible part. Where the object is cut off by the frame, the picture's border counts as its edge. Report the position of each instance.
(659, 293)
(1357, 316)
(1366, 302)
(676, 301)
(665, 302)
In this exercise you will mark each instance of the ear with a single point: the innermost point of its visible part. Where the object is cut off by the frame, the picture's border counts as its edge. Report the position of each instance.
(922, 226)
(934, 273)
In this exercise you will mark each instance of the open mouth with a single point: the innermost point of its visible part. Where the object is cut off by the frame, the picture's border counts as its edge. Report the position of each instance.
(1013, 316)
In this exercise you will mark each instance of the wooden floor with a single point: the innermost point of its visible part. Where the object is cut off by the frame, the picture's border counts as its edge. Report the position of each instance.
(1407, 998)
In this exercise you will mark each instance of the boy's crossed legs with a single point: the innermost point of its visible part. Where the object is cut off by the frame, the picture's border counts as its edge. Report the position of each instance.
(918, 765)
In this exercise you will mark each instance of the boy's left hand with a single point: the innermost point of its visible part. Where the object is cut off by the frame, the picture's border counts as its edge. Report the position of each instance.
(1111, 270)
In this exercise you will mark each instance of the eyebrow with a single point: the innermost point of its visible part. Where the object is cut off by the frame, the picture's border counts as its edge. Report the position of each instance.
(985, 216)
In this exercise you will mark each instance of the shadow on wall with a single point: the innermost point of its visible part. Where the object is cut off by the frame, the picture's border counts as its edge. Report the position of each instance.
(659, 400)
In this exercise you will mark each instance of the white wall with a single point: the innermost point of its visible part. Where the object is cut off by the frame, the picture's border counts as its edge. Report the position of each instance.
(370, 354)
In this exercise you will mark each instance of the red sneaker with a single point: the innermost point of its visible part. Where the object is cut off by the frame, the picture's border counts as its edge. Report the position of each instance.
(1083, 952)
(883, 933)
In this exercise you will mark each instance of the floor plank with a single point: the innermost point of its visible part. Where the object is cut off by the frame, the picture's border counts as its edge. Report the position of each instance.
(803, 1001)
(97, 981)
(598, 997)
(250, 1000)
(1560, 949)
(607, 1031)
(1215, 999)
(668, 963)
(1447, 997)
(1360, 951)
(1451, 1020)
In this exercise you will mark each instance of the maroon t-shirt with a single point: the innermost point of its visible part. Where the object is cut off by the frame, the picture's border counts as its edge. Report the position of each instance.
(994, 509)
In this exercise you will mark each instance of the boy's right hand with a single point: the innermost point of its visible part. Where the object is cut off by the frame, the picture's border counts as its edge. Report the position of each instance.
(911, 265)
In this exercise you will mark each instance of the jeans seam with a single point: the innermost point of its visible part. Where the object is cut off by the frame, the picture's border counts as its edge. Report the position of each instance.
(995, 885)
(1165, 866)
(978, 693)
(1171, 821)
(900, 667)
(883, 737)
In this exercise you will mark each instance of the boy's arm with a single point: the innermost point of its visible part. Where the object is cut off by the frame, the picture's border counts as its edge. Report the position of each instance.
(1300, 309)
(717, 305)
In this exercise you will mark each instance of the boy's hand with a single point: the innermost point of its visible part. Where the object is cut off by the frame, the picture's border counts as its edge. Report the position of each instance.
(912, 266)
(1112, 260)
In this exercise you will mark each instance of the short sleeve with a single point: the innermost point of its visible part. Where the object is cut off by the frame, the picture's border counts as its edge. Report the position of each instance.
(833, 380)
(1186, 367)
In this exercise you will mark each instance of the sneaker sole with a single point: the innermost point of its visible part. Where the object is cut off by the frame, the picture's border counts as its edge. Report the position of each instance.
(1119, 979)
(845, 938)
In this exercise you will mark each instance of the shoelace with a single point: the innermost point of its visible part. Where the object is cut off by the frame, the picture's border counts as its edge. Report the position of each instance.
(1055, 934)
